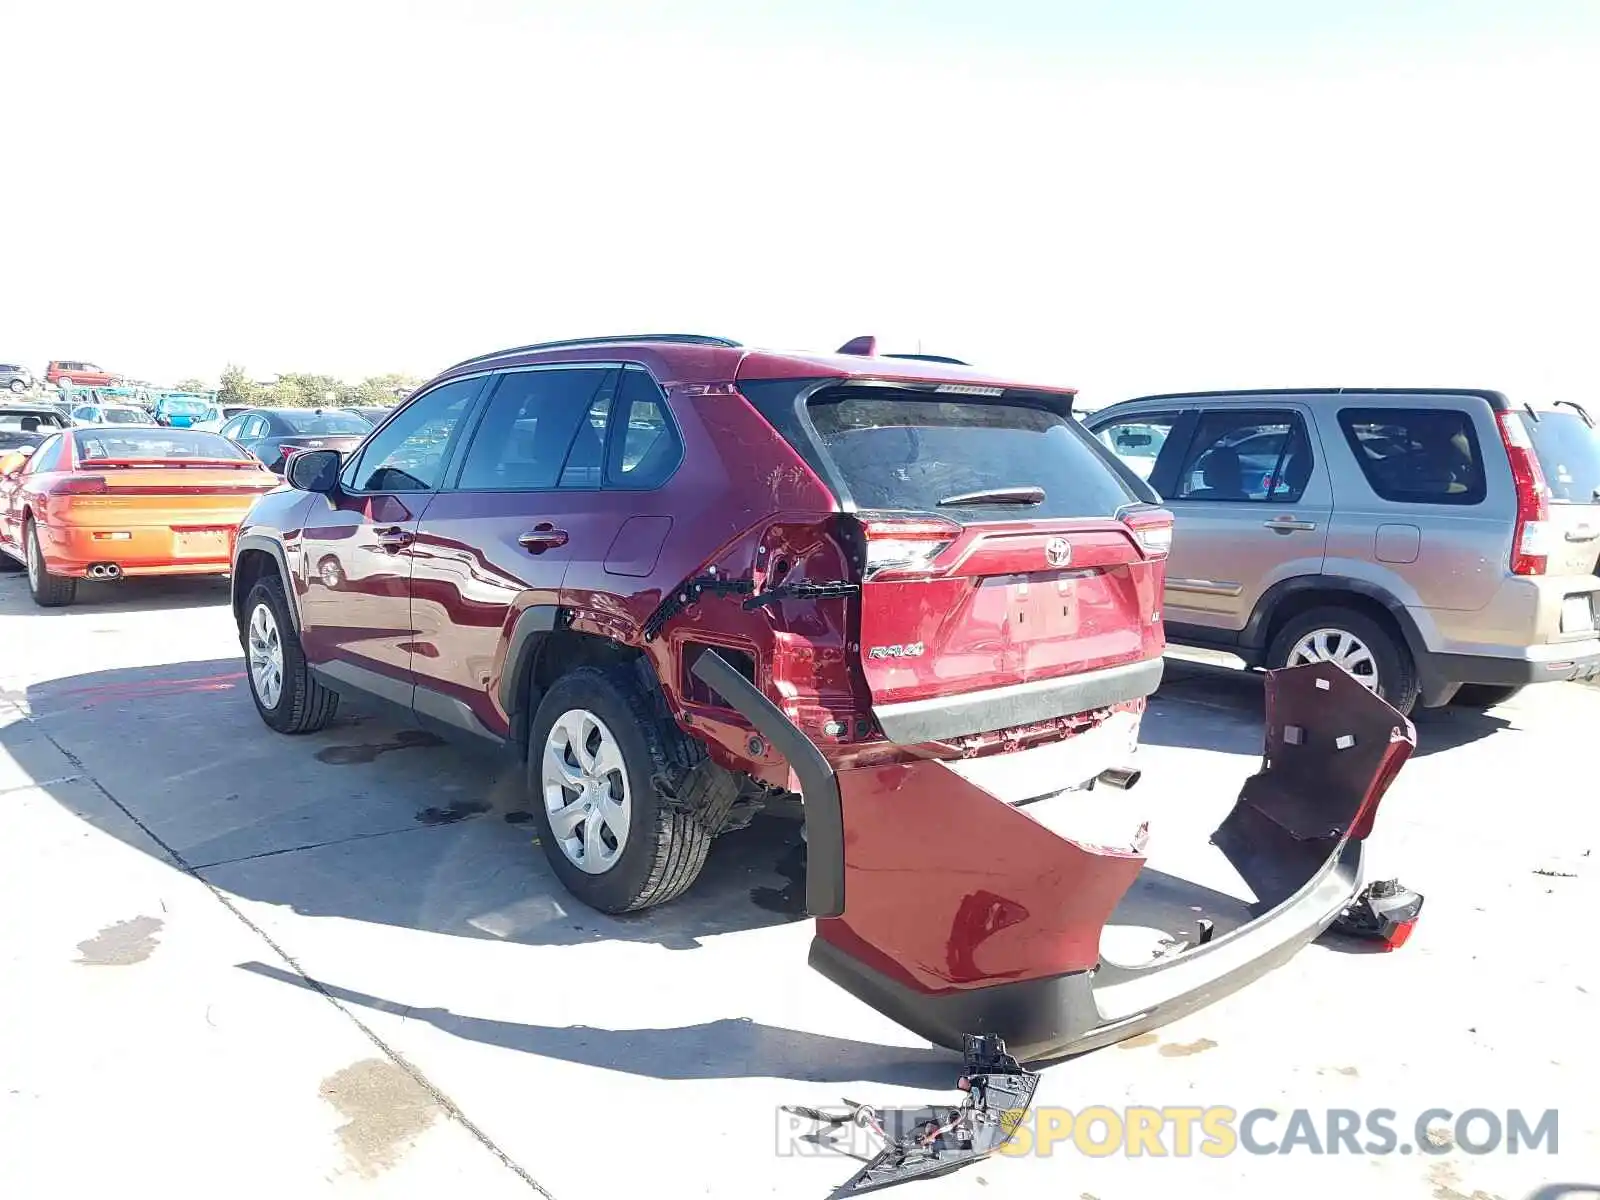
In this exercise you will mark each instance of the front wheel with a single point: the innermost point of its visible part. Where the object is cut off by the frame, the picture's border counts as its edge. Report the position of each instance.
(17, 386)
(595, 748)
(287, 695)
(1365, 648)
(48, 591)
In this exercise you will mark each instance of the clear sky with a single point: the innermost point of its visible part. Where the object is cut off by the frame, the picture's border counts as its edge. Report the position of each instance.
(1125, 196)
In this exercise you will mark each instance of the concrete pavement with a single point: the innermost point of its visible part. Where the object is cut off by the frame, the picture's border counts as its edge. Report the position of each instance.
(269, 966)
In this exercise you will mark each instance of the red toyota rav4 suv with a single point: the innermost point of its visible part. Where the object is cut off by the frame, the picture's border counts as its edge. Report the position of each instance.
(625, 555)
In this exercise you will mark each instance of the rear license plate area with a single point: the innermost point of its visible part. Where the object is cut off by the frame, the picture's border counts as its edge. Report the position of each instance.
(201, 543)
(1577, 614)
(1042, 607)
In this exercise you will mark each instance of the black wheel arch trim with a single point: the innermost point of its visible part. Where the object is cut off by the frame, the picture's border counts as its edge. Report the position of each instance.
(1436, 687)
(1255, 633)
(819, 786)
(522, 651)
(257, 541)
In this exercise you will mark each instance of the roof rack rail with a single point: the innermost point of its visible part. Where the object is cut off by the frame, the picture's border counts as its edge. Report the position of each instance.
(685, 339)
(938, 358)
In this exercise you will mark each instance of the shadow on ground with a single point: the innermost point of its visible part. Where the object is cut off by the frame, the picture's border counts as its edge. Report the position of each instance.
(368, 820)
(153, 594)
(725, 1049)
(1237, 700)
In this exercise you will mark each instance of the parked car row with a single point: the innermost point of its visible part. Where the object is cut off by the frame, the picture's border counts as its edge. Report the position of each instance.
(1441, 545)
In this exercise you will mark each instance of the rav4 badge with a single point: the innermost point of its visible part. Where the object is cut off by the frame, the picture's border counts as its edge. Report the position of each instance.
(910, 650)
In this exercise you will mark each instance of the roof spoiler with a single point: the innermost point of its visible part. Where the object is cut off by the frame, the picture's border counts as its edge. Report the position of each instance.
(866, 346)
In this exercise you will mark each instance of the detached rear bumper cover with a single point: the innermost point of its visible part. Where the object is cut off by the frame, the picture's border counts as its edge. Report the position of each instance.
(954, 913)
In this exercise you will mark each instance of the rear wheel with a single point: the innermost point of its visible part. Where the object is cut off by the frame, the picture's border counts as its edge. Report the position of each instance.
(1483, 696)
(596, 747)
(1365, 648)
(49, 591)
(287, 695)
(17, 386)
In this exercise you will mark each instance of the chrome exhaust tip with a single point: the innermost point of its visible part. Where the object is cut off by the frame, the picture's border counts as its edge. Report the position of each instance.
(1121, 778)
(104, 571)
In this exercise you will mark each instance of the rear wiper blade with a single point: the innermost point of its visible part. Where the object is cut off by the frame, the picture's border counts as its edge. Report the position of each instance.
(1010, 495)
(1581, 410)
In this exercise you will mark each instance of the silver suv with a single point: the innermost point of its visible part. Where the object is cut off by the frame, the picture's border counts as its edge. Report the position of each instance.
(1439, 545)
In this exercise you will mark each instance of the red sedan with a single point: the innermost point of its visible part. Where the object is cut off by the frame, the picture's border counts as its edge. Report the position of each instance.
(114, 500)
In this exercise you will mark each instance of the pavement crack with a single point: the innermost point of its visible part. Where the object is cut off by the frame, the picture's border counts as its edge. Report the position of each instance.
(354, 837)
(289, 960)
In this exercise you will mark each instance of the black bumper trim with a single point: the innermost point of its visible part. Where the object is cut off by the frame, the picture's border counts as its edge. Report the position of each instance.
(1513, 672)
(819, 786)
(945, 717)
(1042, 1019)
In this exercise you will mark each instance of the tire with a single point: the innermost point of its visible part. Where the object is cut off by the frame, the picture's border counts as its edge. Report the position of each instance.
(1481, 696)
(17, 386)
(664, 845)
(64, 384)
(1386, 666)
(48, 591)
(298, 703)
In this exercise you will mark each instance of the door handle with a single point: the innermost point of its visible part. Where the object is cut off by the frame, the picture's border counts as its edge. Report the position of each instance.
(543, 536)
(395, 538)
(1287, 524)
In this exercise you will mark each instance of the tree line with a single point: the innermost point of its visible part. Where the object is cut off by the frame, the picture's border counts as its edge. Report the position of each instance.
(301, 390)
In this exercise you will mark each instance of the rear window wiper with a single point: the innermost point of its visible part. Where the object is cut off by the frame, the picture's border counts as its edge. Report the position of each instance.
(1008, 495)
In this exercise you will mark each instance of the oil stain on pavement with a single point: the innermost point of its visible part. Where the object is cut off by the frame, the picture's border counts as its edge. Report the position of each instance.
(385, 1109)
(122, 944)
(451, 813)
(1184, 1049)
(405, 739)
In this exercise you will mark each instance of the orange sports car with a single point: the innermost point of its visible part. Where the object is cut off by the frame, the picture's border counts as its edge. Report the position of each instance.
(105, 501)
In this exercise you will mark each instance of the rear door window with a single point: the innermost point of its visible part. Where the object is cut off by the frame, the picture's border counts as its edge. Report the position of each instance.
(1417, 456)
(529, 425)
(1241, 457)
(898, 449)
(1568, 446)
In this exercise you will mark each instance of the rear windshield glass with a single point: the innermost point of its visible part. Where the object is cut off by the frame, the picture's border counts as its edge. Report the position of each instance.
(326, 422)
(29, 422)
(156, 443)
(126, 416)
(986, 459)
(1569, 453)
(184, 407)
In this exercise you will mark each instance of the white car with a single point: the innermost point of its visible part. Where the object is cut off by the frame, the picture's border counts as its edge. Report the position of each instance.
(217, 416)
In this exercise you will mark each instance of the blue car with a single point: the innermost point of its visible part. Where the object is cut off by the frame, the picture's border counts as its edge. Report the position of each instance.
(181, 409)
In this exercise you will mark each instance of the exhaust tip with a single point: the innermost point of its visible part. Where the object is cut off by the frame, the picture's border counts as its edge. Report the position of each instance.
(1121, 778)
(104, 571)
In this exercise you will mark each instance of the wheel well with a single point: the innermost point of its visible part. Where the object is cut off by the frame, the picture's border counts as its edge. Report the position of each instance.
(247, 572)
(552, 656)
(1303, 601)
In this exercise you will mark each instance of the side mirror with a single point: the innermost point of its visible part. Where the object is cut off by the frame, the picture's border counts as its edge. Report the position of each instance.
(314, 471)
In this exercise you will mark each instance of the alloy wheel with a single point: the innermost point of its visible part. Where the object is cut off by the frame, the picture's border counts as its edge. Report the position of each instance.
(1342, 648)
(586, 795)
(266, 656)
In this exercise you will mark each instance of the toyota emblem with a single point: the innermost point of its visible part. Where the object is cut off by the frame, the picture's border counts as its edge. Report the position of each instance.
(1058, 552)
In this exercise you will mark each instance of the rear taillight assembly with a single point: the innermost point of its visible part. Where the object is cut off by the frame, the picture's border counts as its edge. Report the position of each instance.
(81, 485)
(896, 544)
(1152, 529)
(1530, 545)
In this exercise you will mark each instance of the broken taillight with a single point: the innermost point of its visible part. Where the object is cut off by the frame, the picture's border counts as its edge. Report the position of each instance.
(904, 543)
(1152, 529)
(1530, 543)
